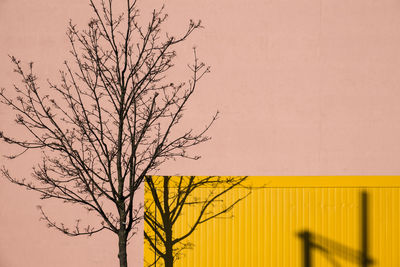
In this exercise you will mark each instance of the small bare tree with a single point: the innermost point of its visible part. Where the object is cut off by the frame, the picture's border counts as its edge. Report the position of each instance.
(170, 197)
(109, 122)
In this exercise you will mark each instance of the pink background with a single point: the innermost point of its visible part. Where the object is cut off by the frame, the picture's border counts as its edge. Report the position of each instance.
(304, 88)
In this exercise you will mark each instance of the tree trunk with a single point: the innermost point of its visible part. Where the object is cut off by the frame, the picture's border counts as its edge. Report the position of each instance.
(123, 258)
(169, 256)
(168, 259)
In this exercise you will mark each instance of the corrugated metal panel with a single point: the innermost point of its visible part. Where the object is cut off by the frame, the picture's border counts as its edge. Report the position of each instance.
(262, 230)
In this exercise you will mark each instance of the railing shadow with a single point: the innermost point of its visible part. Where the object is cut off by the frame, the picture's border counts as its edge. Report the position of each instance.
(312, 242)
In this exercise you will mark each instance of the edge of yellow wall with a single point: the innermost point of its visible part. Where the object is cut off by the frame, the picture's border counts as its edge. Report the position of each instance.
(388, 181)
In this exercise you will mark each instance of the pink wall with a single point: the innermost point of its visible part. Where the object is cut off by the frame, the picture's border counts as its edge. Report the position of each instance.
(304, 88)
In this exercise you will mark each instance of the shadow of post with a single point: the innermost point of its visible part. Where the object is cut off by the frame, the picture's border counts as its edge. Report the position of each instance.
(313, 242)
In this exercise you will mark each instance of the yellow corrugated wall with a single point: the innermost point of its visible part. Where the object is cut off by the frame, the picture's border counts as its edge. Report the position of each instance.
(262, 230)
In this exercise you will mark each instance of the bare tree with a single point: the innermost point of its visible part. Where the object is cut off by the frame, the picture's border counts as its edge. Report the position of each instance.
(170, 197)
(109, 122)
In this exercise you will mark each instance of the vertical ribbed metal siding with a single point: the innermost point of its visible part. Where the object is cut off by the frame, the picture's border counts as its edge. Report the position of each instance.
(263, 229)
